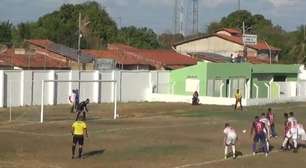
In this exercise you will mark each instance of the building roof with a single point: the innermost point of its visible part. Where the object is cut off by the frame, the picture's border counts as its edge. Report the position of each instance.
(217, 58)
(35, 61)
(119, 56)
(61, 50)
(255, 60)
(211, 57)
(261, 45)
(128, 55)
(232, 31)
(168, 57)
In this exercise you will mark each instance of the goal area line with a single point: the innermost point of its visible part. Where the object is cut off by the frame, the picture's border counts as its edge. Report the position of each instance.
(199, 164)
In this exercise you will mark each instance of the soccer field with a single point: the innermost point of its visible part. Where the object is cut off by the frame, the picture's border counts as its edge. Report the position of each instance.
(147, 135)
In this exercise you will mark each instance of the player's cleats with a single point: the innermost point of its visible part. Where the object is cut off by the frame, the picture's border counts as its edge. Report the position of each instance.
(266, 154)
(225, 157)
(72, 157)
(283, 149)
(295, 150)
(234, 157)
(254, 153)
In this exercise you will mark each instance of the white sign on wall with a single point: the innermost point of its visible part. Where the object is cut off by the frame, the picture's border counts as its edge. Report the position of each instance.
(249, 39)
(192, 84)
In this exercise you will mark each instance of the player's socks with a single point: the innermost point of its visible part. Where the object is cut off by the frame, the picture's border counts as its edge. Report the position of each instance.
(254, 148)
(285, 142)
(225, 152)
(234, 151)
(73, 150)
(295, 146)
(80, 152)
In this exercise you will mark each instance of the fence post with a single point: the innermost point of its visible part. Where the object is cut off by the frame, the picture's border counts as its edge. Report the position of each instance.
(42, 102)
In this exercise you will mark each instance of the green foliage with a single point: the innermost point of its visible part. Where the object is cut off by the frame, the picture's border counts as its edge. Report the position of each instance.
(6, 32)
(97, 28)
(168, 39)
(139, 37)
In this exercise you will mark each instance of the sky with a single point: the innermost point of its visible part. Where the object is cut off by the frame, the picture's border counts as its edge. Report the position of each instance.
(158, 14)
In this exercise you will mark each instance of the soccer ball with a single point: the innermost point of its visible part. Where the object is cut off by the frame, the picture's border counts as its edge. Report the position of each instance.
(244, 131)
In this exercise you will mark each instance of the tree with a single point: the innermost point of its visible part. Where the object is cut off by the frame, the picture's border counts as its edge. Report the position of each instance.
(61, 26)
(298, 49)
(168, 39)
(6, 32)
(139, 37)
(236, 19)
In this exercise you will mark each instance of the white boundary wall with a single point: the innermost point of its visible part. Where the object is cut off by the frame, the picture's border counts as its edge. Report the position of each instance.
(20, 88)
(187, 99)
(222, 101)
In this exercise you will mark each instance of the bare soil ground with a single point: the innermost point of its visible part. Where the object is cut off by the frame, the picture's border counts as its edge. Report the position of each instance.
(147, 135)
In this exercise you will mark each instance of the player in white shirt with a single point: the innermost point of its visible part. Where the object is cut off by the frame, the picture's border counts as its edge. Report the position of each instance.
(301, 132)
(292, 133)
(292, 120)
(267, 131)
(72, 100)
(230, 139)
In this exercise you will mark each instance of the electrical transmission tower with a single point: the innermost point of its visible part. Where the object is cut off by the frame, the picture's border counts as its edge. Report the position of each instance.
(178, 16)
(195, 16)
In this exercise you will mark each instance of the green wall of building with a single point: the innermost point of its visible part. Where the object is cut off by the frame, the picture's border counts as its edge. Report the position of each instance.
(178, 77)
(226, 73)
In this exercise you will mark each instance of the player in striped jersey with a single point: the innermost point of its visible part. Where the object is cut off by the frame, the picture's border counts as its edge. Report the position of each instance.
(258, 128)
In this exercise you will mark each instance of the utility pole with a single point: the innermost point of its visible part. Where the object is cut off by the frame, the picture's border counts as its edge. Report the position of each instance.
(79, 40)
(244, 47)
(304, 41)
(239, 7)
(270, 52)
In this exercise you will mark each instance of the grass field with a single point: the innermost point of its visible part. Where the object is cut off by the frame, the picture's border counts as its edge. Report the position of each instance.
(147, 135)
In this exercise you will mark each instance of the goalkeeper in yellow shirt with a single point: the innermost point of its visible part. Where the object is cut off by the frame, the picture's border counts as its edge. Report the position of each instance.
(79, 128)
(238, 98)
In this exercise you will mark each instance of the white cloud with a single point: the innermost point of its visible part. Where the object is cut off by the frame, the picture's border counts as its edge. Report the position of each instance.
(157, 2)
(284, 3)
(215, 3)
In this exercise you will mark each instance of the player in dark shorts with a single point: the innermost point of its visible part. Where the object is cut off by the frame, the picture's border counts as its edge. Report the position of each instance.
(79, 128)
(259, 129)
(82, 108)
